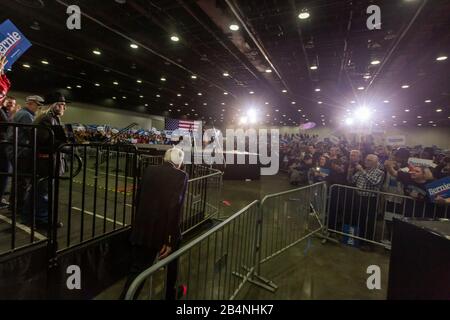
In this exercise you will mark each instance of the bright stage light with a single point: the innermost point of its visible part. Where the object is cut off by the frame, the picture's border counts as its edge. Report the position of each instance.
(252, 116)
(349, 121)
(363, 114)
(243, 120)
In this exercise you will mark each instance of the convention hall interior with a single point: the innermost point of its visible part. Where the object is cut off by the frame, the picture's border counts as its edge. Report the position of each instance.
(225, 150)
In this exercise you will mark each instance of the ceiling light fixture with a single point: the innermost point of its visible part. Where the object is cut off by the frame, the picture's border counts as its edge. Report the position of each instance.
(174, 38)
(96, 52)
(134, 46)
(304, 14)
(405, 86)
(234, 27)
(375, 62)
(441, 58)
(44, 62)
(314, 68)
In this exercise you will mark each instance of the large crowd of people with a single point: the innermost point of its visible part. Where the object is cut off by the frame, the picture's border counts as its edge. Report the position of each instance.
(402, 171)
(369, 182)
(100, 134)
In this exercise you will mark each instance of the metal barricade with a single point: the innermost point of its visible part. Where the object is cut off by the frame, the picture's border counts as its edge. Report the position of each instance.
(26, 166)
(218, 264)
(366, 215)
(202, 201)
(147, 160)
(95, 191)
(215, 265)
(290, 217)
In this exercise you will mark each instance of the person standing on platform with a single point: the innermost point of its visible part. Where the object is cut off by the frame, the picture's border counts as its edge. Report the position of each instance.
(25, 115)
(47, 151)
(156, 230)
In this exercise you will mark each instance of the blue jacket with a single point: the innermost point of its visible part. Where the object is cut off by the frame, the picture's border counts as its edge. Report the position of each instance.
(23, 116)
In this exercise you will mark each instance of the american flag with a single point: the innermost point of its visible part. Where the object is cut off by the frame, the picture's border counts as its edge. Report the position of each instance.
(188, 125)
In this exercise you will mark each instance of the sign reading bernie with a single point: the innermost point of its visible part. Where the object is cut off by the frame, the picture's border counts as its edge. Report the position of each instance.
(417, 162)
(440, 188)
(13, 43)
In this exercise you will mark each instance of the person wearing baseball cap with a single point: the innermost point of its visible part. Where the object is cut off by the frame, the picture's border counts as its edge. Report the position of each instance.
(25, 116)
(46, 150)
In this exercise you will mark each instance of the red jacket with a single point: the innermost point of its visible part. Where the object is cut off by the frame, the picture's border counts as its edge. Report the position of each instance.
(4, 86)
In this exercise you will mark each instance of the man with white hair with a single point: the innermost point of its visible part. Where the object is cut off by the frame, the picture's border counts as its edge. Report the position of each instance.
(156, 229)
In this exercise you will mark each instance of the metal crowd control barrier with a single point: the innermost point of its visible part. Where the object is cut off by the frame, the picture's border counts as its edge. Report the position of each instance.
(290, 217)
(366, 215)
(211, 265)
(100, 200)
(25, 160)
(219, 263)
(202, 201)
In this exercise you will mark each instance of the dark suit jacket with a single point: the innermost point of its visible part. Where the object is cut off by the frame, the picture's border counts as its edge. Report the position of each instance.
(159, 203)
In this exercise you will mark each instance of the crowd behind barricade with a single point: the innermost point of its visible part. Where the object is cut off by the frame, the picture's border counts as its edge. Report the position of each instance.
(93, 134)
(404, 171)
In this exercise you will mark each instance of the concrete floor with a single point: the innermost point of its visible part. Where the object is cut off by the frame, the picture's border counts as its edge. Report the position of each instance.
(308, 270)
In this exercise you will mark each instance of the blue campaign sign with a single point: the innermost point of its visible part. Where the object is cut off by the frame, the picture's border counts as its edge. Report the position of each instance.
(13, 43)
(351, 230)
(439, 187)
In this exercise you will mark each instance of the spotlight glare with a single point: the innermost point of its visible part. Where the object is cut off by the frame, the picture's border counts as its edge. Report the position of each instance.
(363, 114)
(174, 38)
(349, 121)
(243, 120)
(134, 46)
(441, 58)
